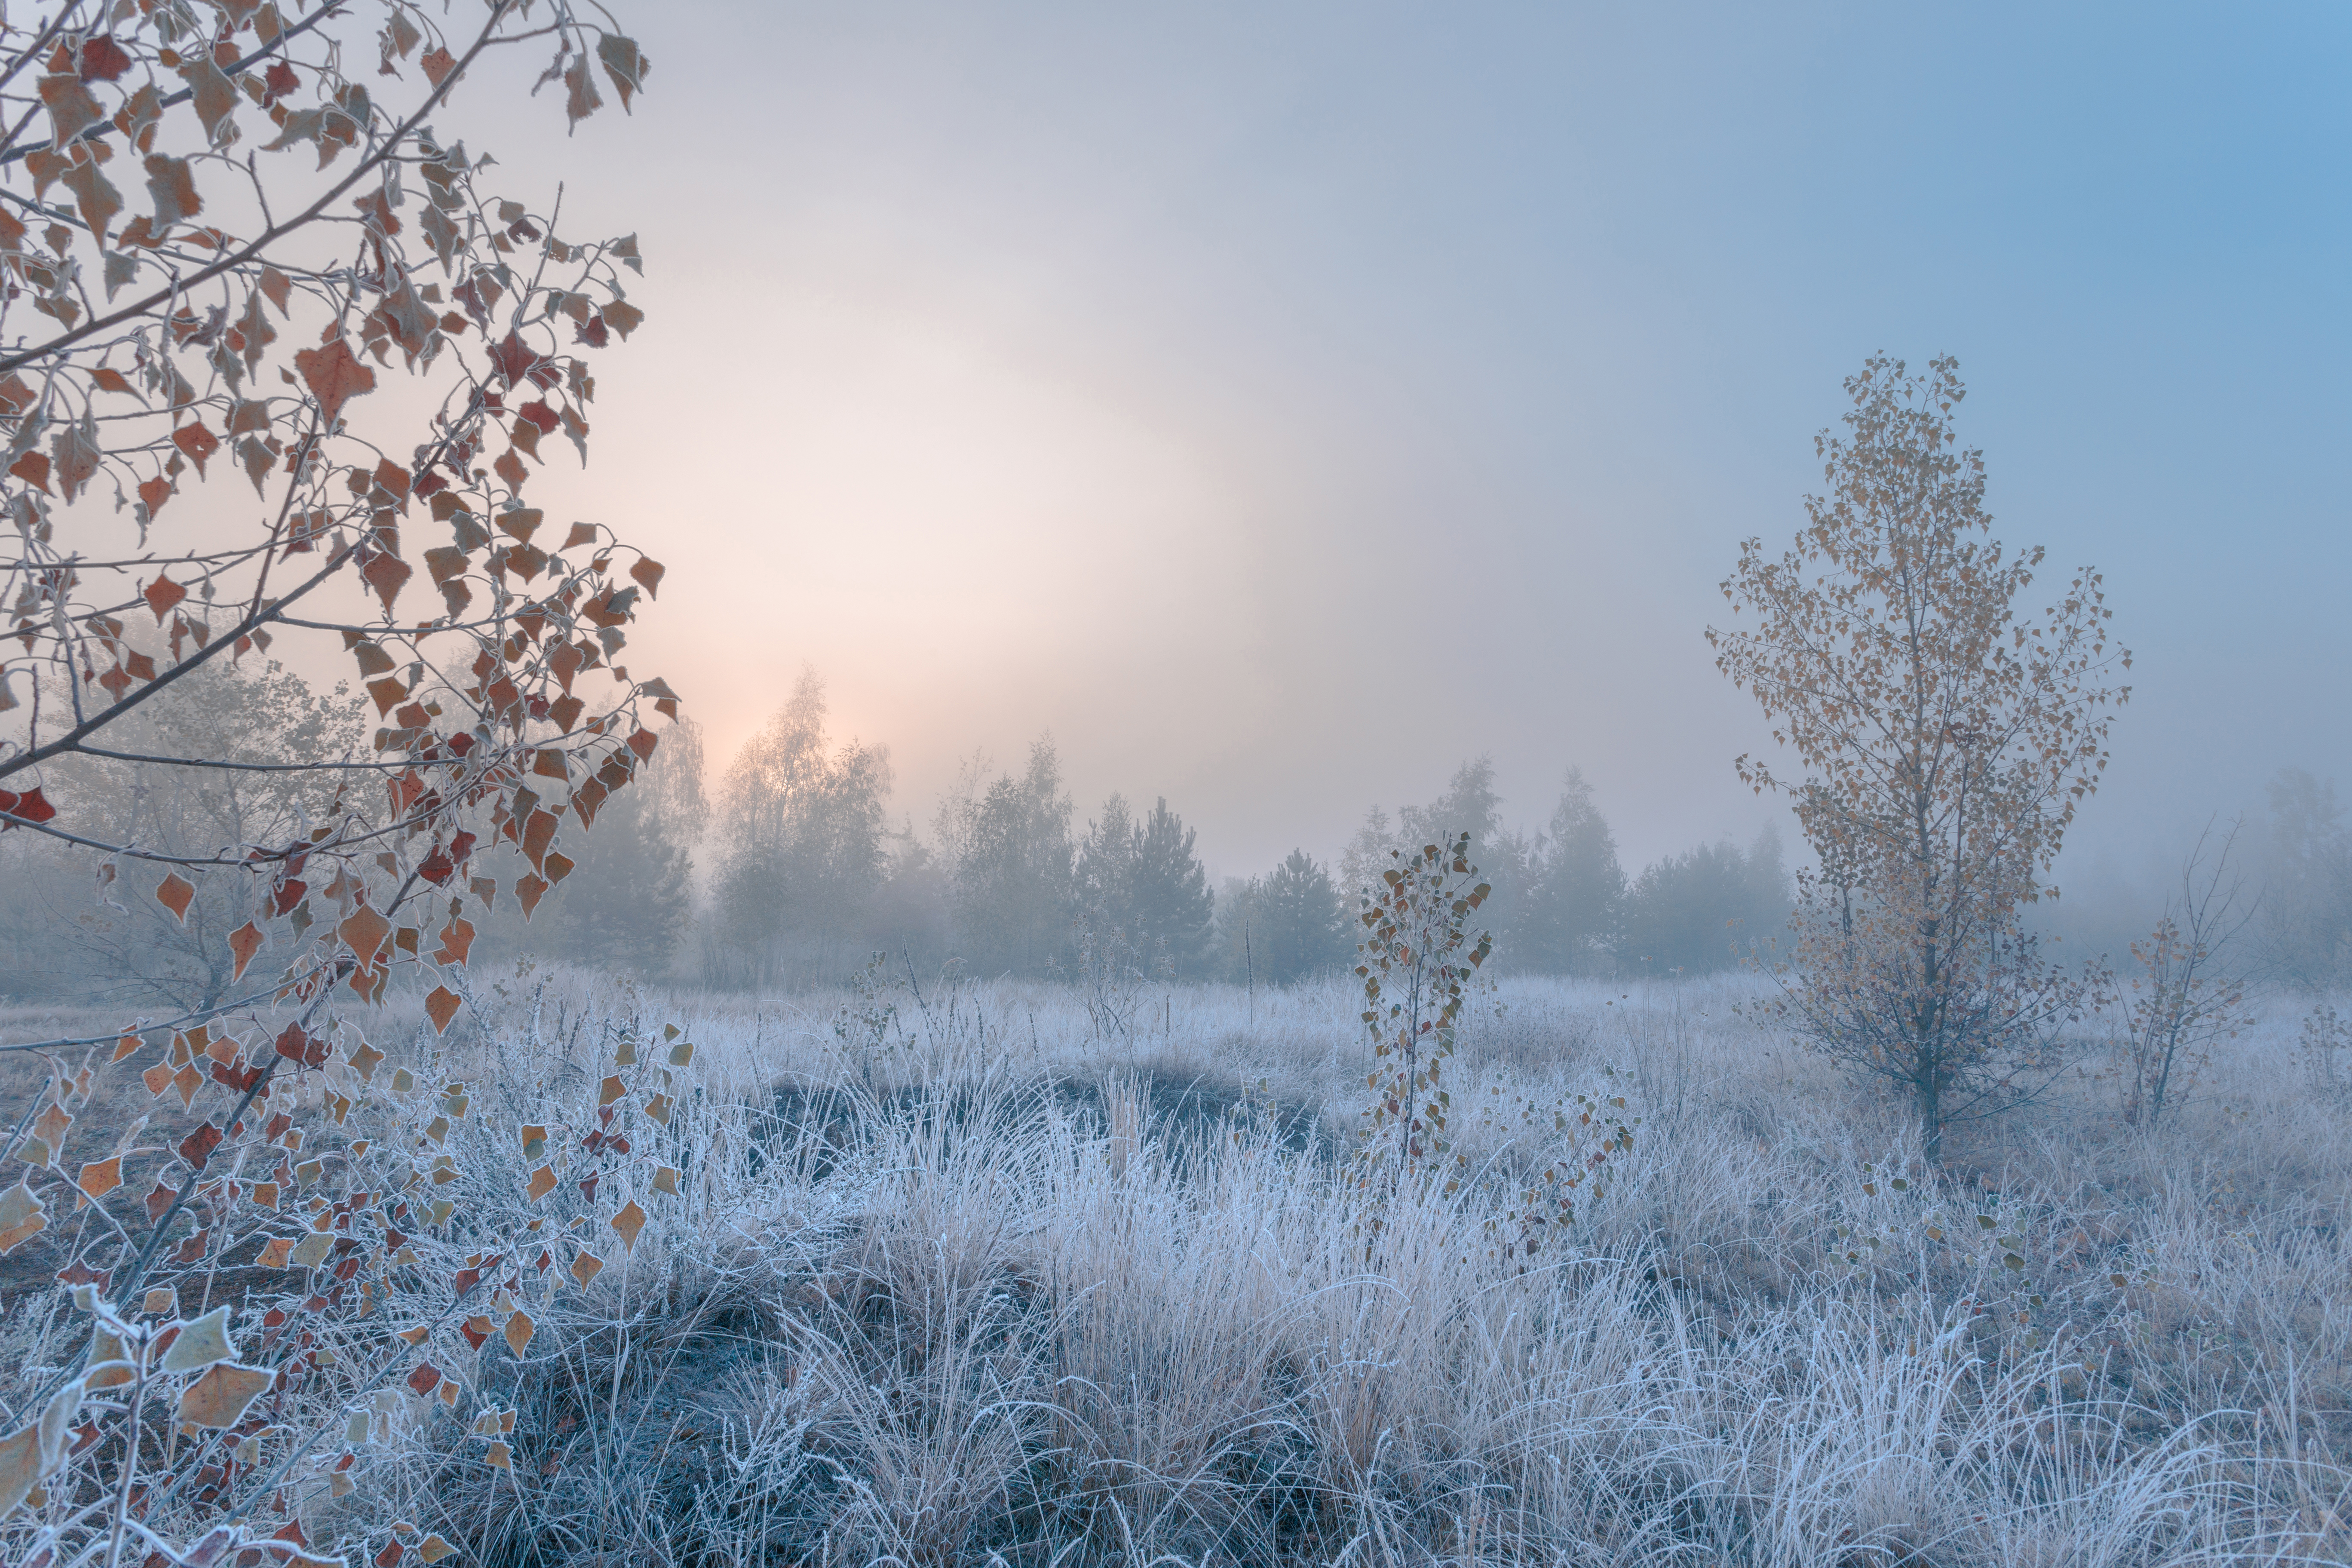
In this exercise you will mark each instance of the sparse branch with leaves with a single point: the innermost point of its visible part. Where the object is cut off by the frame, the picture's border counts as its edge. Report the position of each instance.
(220, 226)
(1416, 959)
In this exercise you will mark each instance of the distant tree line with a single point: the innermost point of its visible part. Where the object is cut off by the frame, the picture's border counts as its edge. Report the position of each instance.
(793, 870)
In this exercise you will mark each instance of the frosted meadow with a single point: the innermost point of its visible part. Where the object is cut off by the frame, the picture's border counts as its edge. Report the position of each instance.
(961, 1278)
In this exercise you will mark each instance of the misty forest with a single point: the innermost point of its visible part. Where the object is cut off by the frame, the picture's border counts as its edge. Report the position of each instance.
(1301, 788)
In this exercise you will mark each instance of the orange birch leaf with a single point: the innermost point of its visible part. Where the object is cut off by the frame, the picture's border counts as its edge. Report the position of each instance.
(175, 893)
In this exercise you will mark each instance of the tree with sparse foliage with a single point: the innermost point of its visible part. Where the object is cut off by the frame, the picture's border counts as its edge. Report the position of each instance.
(804, 848)
(1945, 741)
(222, 226)
(256, 713)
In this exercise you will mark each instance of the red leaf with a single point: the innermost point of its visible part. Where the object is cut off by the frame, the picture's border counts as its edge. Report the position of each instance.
(366, 932)
(282, 900)
(437, 63)
(441, 1007)
(197, 1147)
(334, 375)
(456, 938)
(29, 806)
(648, 571)
(33, 468)
(244, 942)
(278, 81)
(538, 834)
(300, 1049)
(386, 574)
(197, 442)
(515, 360)
(161, 594)
(174, 893)
(103, 59)
(426, 1378)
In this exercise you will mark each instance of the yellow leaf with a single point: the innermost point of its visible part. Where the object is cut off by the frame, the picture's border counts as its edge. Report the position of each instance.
(519, 1330)
(442, 1006)
(628, 1222)
(542, 1182)
(586, 1266)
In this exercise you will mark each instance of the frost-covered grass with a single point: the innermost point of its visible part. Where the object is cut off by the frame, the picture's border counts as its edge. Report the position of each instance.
(964, 1283)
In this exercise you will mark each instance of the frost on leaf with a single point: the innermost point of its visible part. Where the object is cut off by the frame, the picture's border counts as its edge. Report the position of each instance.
(625, 63)
(32, 1451)
(441, 1007)
(218, 1398)
(200, 1343)
(49, 1139)
(99, 1177)
(334, 375)
(22, 1217)
(627, 1222)
(519, 1330)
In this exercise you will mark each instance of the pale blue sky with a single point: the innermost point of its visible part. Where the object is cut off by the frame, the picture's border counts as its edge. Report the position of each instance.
(1104, 369)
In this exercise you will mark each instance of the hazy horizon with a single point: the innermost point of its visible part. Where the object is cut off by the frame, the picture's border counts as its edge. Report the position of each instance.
(1101, 373)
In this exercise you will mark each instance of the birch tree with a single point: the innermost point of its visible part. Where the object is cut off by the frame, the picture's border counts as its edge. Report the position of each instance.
(1944, 736)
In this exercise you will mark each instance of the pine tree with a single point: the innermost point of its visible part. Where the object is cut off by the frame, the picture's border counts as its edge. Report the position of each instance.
(1168, 891)
(1300, 930)
(1575, 894)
